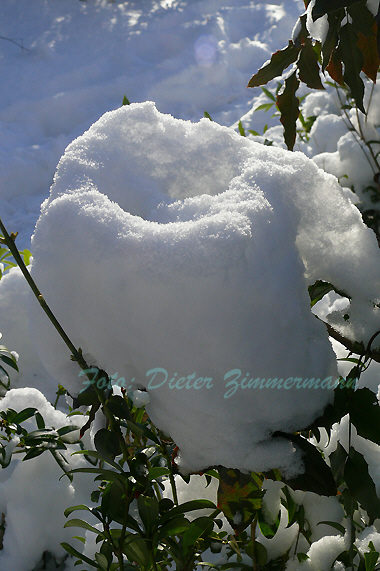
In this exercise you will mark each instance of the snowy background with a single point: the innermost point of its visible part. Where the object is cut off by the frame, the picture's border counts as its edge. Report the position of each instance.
(64, 63)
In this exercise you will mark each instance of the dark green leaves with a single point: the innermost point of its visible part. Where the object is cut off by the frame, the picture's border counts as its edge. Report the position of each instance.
(308, 66)
(353, 61)
(322, 7)
(149, 511)
(279, 61)
(118, 407)
(360, 483)
(288, 104)
(364, 413)
(7, 358)
(107, 444)
(319, 289)
(347, 51)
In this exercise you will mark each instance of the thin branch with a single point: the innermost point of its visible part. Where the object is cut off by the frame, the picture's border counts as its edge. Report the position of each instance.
(352, 346)
(10, 242)
(16, 43)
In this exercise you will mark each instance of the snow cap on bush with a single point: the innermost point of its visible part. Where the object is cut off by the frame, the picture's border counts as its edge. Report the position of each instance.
(177, 256)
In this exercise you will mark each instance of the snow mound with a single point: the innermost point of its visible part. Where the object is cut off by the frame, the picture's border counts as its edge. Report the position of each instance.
(177, 256)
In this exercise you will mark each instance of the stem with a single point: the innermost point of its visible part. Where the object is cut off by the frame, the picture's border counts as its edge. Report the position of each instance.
(255, 566)
(370, 100)
(353, 346)
(352, 127)
(368, 145)
(76, 355)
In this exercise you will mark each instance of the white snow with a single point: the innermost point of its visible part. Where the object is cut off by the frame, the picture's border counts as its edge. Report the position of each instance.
(220, 236)
(32, 496)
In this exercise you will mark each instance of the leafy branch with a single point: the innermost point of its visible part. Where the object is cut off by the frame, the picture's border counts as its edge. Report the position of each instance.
(350, 47)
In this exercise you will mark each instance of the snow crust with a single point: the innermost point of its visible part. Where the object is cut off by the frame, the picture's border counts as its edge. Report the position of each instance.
(177, 256)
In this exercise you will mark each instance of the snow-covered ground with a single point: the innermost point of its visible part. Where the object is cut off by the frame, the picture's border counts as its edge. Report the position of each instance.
(78, 59)
(64, 63)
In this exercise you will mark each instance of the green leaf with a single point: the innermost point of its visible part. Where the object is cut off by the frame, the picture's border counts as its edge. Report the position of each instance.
(84, 525)
(67, 429)
(118, 407)
(141, 430)
(197, 528)
(125, 101)
(337, 462)
(360, 483)
(335, 525)
(353, 60)
(24, 415)
(264, 106)
(261, 554)
(10, 361)
(93, 454)
(80, 556)
(137, 549)
(101, 561)
(279, 61)
(175, 526)
(371, 558)
(308, 66)
(33, 453)
(241, 129)
(187, 507)
(26, 254)
(72, 509)
(362, 18)
(268, 530)
(322, 7)
(290, 505)
(207, 115)
(318, 290)
(40, 421)
(288, 105)
(364, 412)
(157, 472)
(148, 510)
(269, 94)
(107, 444)
(302, 557)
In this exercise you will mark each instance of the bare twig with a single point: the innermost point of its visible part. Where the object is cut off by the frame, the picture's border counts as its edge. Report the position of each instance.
(353, 346)
(16, 43)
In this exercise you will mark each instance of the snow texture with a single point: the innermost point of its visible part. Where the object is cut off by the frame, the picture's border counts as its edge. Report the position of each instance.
(80, 59)
(175, 255)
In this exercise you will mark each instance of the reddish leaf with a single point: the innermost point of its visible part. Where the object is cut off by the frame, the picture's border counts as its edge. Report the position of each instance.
(239, 497)
(368, 47)
(331, 41)
(288, 105)
(303, 34)
(335, 68)
(279, 61)
(308, 66)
